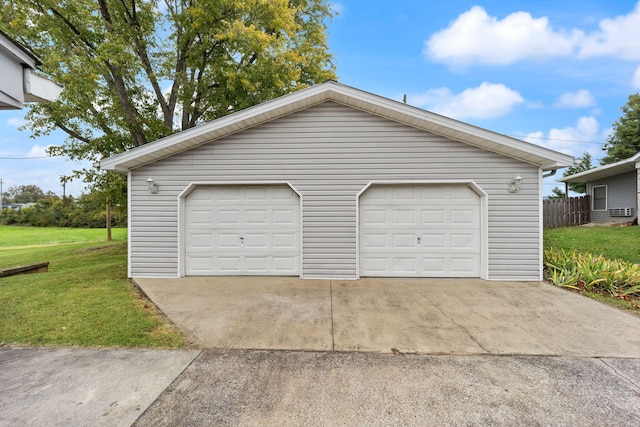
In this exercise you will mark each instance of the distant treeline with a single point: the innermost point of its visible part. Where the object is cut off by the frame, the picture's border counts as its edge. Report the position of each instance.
(50, 210)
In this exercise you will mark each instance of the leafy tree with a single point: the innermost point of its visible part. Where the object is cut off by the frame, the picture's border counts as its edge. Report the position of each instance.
(26, 194)
(624, 141)
(557, 193)
(584, 164)
(134, 71)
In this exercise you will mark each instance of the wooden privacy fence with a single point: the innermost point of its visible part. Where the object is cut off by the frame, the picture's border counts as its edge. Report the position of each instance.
(566, 212)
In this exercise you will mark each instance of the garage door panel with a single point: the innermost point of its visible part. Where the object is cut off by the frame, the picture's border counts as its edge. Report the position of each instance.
(285, 216)
(252, 230)
(433, 216)
(420, 231)
(433, 240)
(470, 241)
(285, 241)
(403, 241)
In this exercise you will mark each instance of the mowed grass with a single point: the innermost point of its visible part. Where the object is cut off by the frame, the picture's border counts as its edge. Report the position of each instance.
(612, 242)
(31, 236)
(84, 300)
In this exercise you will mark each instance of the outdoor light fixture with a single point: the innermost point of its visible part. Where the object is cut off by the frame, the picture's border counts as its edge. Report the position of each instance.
(153, 187)
(514, 185)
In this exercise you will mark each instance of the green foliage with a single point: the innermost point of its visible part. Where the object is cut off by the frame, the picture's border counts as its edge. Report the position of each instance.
(24, 194)
(557, 193)
(619, 243)
(134, 72)
(624, 141)
(88, 211)
(85, 299)
(593, 273)
(584, 164)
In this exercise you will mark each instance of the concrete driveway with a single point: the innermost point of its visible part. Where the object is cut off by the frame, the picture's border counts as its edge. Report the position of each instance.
(500, 353)
(424, 316)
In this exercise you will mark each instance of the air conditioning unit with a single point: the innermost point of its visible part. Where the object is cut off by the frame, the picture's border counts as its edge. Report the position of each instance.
(621, 212)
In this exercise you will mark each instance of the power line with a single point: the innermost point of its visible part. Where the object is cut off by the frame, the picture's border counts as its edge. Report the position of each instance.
(556, 139)
(28, 158)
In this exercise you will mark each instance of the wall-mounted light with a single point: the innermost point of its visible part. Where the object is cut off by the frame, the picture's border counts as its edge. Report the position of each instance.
(514, 185)
(153, 187)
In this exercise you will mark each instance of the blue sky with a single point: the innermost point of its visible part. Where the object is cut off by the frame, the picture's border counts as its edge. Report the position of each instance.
(552, 73)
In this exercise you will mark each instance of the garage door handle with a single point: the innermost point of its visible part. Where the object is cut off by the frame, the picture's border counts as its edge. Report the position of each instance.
(241, 240)
(418, 240)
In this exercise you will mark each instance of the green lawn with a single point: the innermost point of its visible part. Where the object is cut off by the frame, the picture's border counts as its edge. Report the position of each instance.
(28, 236)
(84, 300)
(612, 242)
(621, 243)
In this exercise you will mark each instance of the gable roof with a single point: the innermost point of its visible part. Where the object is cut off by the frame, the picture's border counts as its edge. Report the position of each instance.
(623, 166)
(345, 95)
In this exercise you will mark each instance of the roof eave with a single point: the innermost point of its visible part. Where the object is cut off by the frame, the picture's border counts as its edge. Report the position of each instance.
(617, 168)
(355, 98)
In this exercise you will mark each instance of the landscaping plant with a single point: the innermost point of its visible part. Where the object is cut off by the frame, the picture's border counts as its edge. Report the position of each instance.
(592, 273)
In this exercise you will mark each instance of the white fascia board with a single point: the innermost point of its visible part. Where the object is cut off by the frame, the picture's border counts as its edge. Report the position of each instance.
(216, 129)
(346, 95)
(11, 48)
(38, 88)
(605, 171)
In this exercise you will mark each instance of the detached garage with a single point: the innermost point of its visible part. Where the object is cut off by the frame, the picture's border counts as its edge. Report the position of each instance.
(336, 183)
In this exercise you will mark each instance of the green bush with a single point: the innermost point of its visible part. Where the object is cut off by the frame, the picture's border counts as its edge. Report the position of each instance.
(593, 273)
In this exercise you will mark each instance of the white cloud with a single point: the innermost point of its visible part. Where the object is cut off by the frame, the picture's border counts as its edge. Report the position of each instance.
(489, 100)
(635, 80)
(16, 122)
(474, 37)
(618, 37)
(477, 38)
(38, 151)
(585, 136)
(579, 99)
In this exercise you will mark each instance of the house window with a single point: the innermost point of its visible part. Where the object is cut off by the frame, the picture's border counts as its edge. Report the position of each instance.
(600, 198)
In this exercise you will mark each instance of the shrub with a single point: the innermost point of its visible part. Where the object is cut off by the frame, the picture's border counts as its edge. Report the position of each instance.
(594, 273)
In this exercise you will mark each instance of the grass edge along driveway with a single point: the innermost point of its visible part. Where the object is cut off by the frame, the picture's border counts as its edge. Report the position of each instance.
(84, 300)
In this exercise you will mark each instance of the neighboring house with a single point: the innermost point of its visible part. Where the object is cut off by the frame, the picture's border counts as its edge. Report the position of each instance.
(336, 183)
(614, 190)
(19, 82)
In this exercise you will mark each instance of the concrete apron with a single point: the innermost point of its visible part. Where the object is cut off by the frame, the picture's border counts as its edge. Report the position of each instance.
(426, 316)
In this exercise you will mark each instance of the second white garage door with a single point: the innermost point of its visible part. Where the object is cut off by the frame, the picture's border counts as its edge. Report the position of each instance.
(420, 231)
(242, 230)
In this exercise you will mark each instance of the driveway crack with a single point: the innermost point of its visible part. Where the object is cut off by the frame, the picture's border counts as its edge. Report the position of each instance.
(461, 327)
(619, 375)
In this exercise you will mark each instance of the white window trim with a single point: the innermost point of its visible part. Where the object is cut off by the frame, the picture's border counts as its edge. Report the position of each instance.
(593, 198)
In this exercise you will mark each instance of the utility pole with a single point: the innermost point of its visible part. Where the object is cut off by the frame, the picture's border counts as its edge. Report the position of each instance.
(1, 207)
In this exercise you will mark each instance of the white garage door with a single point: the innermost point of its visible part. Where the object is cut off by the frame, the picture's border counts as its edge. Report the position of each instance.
(420, 231)
(242, 230)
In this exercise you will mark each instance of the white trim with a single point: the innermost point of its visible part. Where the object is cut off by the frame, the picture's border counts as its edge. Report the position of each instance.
(541, 225)
(348, 96)
(593, 198)
(182, 215)
(129, 244)
(605, 171)
(484, 214)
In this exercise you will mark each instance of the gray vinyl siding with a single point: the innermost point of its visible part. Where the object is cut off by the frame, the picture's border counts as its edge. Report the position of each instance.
(329, 153)
(621, 193)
